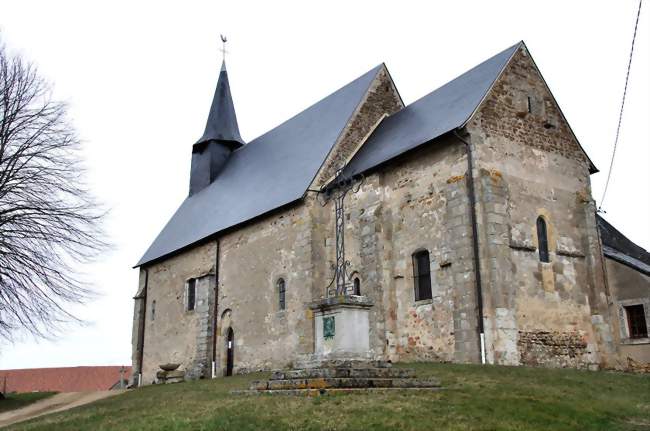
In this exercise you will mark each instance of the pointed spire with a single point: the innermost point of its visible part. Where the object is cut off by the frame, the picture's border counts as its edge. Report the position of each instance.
(222, 120)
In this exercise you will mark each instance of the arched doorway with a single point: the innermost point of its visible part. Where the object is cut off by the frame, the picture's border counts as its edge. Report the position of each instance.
(230, 351)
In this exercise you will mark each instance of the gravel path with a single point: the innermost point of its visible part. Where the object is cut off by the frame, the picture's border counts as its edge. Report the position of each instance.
(53, 404)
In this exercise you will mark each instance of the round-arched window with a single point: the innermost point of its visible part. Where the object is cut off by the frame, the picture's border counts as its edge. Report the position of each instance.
(542, 239)
(357, 286)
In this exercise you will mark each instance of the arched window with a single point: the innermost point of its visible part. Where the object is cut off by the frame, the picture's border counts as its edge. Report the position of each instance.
(422, 275)
(282, 292)
(357, 286)
(542, 239)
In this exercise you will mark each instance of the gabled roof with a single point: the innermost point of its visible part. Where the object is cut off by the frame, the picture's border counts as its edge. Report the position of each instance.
(271, 171)
(435, 114)
(222, 120)
(618, 247)
(448, 108)
(64, 379)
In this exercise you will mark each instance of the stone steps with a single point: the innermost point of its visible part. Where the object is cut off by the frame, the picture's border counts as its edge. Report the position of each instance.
(318, 373)
(318, 392)
(320, 376)
(309, 361)
(343, 383)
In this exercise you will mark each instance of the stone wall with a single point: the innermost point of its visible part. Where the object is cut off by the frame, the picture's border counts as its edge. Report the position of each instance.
(137, 330)
(172, 334)
(419, 202)
(529, 165)
(381, 100)
(628, 287)
(251, 261)
(395, 213)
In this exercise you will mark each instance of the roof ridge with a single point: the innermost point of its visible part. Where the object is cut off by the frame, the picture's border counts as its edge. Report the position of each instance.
(310, 106)
(432, 115)
(515, 49)
(354, 112)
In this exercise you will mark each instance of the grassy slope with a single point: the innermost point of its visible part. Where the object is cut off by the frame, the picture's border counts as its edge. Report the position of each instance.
(485, 398)
(16, 401)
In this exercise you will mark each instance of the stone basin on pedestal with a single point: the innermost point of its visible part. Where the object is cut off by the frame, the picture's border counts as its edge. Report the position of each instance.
(342, 327)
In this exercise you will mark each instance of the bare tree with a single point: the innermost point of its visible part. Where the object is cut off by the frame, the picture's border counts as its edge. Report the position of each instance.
(49, 223)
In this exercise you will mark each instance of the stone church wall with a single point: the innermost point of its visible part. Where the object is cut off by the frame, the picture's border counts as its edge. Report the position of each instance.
(529, 165)
(419, 202)
(251, 261)
(172, 334)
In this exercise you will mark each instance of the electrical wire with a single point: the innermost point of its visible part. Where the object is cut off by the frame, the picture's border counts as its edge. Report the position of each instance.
(620, 115)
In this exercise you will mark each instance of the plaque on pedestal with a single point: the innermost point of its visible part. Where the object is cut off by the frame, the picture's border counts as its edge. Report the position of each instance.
(342, 329)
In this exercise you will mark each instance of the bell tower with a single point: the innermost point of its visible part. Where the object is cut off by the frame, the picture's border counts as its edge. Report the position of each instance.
(220, 138)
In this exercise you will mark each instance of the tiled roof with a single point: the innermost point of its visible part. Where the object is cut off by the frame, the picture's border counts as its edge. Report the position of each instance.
(68, 379)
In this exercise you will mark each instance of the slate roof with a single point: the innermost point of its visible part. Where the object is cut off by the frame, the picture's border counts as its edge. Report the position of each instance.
(65, 379)
(448, 108)
(271, 171)
(276, 168)
(435, 114)
(618, 247)
(222, 120)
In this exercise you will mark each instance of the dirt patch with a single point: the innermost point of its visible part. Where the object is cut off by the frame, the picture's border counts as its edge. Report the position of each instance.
(53, 404)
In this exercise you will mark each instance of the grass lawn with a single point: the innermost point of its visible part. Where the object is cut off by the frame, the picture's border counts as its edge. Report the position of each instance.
(475, 398)
(16, 401)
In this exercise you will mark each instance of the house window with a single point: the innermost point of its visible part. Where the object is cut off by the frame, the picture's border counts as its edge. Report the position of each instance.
(357, 286)
(153, 310)
(191, 294)
(282, 294)
(422, 275)
(542, 239)
(636, 322)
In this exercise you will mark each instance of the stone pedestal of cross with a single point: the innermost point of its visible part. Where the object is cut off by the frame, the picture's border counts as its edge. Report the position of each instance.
(342, 328)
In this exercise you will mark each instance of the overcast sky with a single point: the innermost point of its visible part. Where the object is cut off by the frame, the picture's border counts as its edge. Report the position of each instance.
(139, 78)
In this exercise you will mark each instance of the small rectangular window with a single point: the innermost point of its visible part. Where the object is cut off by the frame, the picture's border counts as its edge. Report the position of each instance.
(191, 294)
(422, 275)
(636, 321)
(282, 291)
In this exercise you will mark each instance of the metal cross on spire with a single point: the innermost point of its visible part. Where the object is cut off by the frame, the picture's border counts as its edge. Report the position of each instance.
(224, 39)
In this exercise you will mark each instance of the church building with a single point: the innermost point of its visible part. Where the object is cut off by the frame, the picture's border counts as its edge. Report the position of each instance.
(465, 219)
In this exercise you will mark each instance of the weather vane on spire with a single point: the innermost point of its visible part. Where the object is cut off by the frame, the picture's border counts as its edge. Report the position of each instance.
(223, 46)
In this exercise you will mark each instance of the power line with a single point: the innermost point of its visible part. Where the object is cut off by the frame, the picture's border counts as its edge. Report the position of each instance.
(620, 115)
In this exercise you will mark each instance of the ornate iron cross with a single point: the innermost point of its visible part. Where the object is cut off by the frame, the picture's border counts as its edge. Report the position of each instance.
(341, 280)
